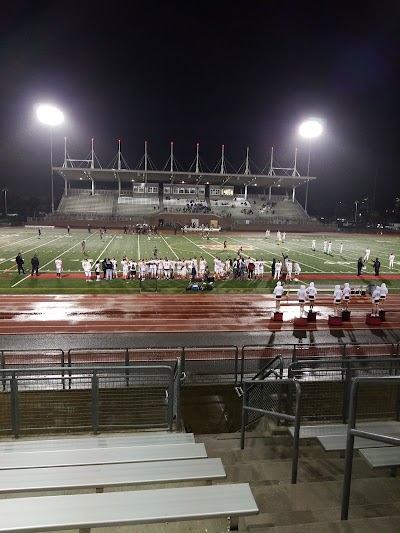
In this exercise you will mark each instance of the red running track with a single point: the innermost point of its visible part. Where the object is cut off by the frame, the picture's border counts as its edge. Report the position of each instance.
(172, 313)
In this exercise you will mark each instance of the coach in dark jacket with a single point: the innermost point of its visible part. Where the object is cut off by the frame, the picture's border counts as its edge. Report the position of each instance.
(35, 265)
(377, 266)
(360, 264)
(20, 263)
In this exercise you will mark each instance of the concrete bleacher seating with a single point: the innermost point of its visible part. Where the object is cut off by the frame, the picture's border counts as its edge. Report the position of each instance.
(25, 471)
(86, 203)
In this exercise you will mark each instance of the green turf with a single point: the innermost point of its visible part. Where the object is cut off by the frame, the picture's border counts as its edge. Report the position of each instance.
(55, 243)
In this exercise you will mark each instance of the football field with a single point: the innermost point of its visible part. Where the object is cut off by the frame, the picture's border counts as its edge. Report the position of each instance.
(315, 265)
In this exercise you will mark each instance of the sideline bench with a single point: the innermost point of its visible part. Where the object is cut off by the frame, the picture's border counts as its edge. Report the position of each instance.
(133, 454)
(112, 509)
(110, 475)
(106, 441)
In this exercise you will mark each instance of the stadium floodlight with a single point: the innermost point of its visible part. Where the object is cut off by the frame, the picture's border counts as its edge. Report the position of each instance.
(310, 129)
(50, 116)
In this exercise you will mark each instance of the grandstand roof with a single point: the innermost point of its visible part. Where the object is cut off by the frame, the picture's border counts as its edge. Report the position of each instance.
(191, 178)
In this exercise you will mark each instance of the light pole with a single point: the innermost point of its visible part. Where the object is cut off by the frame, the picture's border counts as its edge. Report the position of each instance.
(5, 200)
(355, 212)
(309, 129)
(50, 116)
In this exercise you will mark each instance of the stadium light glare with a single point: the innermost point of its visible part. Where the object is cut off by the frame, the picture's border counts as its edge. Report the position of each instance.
(51, 116)
(309, 129)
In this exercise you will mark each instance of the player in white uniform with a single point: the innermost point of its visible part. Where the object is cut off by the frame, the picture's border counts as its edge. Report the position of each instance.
(184, 269)
(329, 250)
(341, 248)
(115, 267)
(278, 291)
(125, 268)
(375, 299)
(325, 246)
(391, 260)
(279, 236)
(267, 233)
(367, 254)
(167, 268)
(337, 299)
(302, 296)
(311, 294)
(346, 296)
(289, 270)
(228, 266)
(59, 265)
(313, 245)
(87, 267)
(284, 236)
(297, 270)
(278, 269)
(384, 293)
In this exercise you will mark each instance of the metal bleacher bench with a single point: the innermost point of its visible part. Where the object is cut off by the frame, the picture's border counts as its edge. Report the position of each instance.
(113, 509)
(109, 475)
(382, 457)
(325, 430)
(110, 455)
(100, 442)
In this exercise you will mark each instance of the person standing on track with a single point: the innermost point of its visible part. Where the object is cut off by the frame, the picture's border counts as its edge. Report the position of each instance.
(337, 299)
(375, 299)
(346, 296)
(278, 291)
(311, 294)
(302, 295)
(383, 293)
(59, 265)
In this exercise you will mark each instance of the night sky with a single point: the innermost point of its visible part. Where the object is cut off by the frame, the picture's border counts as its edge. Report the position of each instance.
(242, 74)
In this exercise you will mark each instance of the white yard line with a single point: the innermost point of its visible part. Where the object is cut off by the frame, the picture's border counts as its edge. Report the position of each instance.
(177, 256)
(49, 262)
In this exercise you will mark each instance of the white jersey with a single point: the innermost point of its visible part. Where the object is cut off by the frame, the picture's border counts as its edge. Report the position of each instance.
(302, 294)
(86, 265)
(337, 295)
(278, 291)
(59, 265)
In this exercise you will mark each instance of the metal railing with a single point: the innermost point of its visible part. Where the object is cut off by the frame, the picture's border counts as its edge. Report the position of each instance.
(327, 403)
(106, 397)
(353, 432)
(265, 404)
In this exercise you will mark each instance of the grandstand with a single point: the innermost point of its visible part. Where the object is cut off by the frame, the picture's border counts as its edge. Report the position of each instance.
(171, 196)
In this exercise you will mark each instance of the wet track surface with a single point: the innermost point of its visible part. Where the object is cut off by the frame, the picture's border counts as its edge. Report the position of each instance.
(67, 321)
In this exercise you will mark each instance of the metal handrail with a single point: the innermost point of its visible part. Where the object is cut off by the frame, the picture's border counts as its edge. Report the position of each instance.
(274, 414)
(352, 432)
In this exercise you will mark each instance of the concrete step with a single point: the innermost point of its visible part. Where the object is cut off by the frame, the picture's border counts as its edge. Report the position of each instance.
(307, 503)
(310, 470)
(389, 524)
